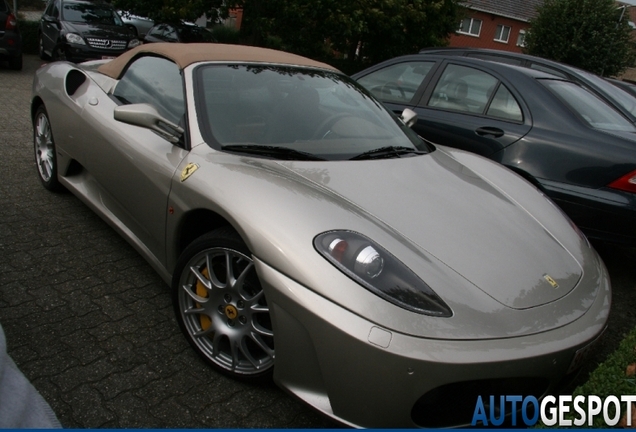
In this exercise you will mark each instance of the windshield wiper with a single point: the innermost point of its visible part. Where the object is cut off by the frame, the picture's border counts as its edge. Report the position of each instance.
(387, 152)
(285, 153)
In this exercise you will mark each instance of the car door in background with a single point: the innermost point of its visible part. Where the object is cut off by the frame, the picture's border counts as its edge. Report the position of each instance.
(50, 28)
(471, 109)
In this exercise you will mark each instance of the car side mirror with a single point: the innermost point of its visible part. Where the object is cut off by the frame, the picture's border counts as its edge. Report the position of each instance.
(147, 116)
(409, 117)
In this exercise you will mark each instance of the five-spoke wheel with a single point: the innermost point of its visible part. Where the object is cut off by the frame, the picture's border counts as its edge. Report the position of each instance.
(221, 306)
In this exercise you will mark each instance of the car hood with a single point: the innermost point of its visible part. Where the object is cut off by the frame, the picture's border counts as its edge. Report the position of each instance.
(469, 224)
(98, 30)
(449, 216)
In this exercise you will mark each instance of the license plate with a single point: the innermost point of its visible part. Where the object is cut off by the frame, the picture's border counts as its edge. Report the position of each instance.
(108, 57)
(582, 353)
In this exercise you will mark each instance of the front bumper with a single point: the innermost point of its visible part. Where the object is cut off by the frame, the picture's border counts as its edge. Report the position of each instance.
(363, 375)
(81, 53)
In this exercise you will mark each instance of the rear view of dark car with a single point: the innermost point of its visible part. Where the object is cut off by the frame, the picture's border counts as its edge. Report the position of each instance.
(10, 39)
(80, 30)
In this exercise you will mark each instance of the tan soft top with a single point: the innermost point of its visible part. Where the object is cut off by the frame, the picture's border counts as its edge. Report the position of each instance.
(186, 54)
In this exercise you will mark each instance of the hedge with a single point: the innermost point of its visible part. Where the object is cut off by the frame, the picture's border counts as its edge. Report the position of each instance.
(29, 32)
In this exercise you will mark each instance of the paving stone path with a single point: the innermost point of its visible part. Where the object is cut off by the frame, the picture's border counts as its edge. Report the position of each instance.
(89, 322)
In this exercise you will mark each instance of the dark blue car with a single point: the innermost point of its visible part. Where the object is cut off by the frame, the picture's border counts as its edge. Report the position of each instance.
(553, 131)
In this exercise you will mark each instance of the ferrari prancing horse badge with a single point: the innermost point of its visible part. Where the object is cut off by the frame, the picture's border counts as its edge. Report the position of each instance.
(188, 171)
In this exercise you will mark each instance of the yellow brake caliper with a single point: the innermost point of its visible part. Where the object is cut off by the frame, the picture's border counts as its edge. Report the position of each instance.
(202, 292)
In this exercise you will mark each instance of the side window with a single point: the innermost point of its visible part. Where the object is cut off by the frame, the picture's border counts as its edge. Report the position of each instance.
(170, 35)
(159, 31)
(470, 26)
(521, 39)
(398, 82)
(49, 8)
(55, 12)
(462, 88)
(155, 81)
(502, 33)
(505, 106)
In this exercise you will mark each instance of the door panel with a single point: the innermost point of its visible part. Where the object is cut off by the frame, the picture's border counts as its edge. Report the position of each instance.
(132, 166)
(470, 109)
(50, 27)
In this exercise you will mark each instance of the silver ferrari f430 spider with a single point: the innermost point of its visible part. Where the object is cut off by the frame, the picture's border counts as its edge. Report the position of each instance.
(310, 236)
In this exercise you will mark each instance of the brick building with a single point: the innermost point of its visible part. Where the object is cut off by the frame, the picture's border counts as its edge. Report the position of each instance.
(495, 24)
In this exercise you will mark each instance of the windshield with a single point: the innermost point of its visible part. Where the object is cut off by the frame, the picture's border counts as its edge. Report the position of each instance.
(313, 112)
(618, 95)
(87, 13)
(189, 34)
(596, 112)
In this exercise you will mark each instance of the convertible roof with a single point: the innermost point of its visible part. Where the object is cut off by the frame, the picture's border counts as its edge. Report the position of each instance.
(186, 54)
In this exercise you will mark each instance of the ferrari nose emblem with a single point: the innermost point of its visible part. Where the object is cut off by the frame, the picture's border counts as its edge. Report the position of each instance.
(551, 281)
(231, 312)
(188, 171)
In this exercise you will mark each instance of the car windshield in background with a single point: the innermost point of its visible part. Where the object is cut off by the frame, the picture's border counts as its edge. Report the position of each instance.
(190, 34)
(91, 14)
(294, 113)
(592, 109)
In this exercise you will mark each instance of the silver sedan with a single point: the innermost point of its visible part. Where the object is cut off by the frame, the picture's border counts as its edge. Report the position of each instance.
(310, 236)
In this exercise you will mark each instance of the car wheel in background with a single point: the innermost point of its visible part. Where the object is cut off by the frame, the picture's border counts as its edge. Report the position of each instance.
(134, 30)
(221, 308)
(59, 53)
(43, 55)
(44, 146)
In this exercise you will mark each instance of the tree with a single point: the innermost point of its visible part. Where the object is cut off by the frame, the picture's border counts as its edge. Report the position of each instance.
(369, 30)
(362, 30)
(590, 34)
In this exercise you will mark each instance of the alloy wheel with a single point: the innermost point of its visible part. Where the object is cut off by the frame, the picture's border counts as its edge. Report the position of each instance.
(223, 310)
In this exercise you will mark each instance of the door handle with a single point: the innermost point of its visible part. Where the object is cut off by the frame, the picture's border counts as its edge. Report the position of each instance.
(487, 130)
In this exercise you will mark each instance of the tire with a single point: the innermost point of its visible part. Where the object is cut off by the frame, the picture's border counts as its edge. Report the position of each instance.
(15, 63)
(59, 53)
(226, 319)
(44, 148)
(134, 30)
(43, 55)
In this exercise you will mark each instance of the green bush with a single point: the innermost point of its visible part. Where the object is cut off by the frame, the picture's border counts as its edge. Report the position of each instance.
(609, 378)
(29, 32)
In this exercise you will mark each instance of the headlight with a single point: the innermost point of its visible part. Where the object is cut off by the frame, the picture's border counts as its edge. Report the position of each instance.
(133, 43)
(377, 270)
(75, 39)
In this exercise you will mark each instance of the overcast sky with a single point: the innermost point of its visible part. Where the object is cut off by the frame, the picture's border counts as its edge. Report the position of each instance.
(631, 2)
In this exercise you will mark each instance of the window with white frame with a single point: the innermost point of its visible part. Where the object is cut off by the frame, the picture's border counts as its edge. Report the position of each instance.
(502, 33)
(521, 39)
(470, 26)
